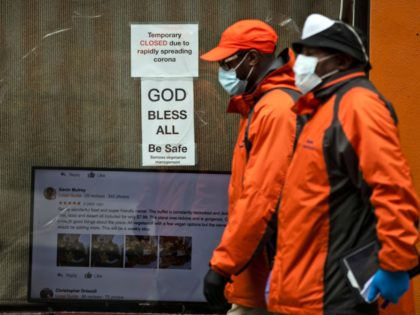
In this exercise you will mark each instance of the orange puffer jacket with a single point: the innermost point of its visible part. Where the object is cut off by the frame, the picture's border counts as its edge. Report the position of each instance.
(256, 183)
(348, 185)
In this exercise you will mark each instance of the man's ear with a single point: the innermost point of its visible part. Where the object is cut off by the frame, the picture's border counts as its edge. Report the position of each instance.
(344, 62)
(253, 57)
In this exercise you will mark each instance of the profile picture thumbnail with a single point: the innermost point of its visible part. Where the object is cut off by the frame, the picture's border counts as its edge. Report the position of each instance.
(141, 251)
(50, 193)
(73, 250)
(46, 293)
(107, 250)
(175, 252)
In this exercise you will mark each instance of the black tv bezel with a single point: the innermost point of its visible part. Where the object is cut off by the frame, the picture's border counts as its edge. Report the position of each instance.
(145, 306)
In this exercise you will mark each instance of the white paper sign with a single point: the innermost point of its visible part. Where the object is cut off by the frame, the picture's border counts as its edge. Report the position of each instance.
(164, 50)
(167, 110)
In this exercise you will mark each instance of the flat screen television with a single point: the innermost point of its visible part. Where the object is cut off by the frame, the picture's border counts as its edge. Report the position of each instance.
(103, 236)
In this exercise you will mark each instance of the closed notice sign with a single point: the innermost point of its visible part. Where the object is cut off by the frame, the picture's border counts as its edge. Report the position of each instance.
(164, 50)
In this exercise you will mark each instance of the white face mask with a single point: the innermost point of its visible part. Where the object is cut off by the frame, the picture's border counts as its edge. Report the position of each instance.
(230, 82)
(305, 77)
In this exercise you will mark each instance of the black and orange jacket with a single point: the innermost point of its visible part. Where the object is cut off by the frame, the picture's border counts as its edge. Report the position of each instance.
(348, 185)
(256, 182)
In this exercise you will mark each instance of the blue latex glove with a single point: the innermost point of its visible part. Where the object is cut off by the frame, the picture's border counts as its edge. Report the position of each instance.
(390, 285)
(267, 288)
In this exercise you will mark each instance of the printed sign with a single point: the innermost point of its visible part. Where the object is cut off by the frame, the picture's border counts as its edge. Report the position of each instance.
(167, 109)
(124, 235)
(164, 50)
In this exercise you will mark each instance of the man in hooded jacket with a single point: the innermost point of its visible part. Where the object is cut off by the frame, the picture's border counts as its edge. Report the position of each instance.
(348, 192)
(262, 92)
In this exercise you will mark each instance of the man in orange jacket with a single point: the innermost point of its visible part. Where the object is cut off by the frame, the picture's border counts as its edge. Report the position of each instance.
(348, 191)
(262, 91)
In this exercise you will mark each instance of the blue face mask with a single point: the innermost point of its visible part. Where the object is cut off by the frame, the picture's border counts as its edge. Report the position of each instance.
(230, 82)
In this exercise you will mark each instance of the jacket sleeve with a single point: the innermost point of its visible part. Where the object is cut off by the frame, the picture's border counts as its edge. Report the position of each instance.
(371, 130)
(271, 132)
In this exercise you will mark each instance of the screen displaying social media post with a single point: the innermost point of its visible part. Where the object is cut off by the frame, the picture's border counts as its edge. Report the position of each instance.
(124, 235)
